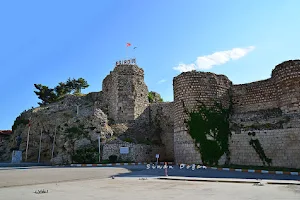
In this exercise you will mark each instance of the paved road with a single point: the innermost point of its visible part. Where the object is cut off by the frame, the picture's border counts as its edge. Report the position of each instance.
(24, 176)
(19, 177)
(23, 164)
(131, 188)
(207, 173)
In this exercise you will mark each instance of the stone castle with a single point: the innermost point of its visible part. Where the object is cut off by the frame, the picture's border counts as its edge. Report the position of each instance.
(268, 111)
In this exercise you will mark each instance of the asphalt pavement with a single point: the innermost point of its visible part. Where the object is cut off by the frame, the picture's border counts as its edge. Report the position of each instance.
(142, 171)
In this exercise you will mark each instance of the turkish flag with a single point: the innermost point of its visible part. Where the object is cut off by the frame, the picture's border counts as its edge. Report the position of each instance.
(128, 44)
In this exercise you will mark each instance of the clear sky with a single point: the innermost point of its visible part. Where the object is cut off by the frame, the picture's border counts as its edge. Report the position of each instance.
(49, 41)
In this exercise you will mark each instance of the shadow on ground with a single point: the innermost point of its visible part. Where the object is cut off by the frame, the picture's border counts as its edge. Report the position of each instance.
(142, 171)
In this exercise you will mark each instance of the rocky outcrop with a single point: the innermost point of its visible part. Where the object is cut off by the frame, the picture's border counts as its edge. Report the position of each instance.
(69, 129)
(71, 124)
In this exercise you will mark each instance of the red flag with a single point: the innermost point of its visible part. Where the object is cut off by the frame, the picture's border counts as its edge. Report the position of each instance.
(128, 44)
(28, 122)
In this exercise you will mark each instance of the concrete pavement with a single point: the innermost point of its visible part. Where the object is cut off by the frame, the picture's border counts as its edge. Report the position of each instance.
(28, 176)
(131, 188)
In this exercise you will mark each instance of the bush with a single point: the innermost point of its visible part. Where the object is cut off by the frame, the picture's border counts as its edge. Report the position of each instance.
(86, 155)
(128, 140)
(113, 158)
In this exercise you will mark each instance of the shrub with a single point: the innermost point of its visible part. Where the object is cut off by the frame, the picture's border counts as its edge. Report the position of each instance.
(86, 155)
(113, 158)
(128, 140)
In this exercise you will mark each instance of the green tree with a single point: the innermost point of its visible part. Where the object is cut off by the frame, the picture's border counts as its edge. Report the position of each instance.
(47, 95)
(154, 97)
(79, 84)
(62, 89)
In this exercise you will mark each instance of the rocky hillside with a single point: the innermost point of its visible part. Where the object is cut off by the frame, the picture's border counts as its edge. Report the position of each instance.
(73, 124)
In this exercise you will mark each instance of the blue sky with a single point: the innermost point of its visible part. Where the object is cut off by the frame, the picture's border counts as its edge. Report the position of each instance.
(49, 41)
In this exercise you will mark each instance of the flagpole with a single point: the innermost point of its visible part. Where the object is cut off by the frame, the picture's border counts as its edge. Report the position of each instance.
(28, 139)
(40, 145)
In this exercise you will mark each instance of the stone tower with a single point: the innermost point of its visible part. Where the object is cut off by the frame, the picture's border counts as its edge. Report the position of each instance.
(287, 80)
(125, 93)
(190, 87)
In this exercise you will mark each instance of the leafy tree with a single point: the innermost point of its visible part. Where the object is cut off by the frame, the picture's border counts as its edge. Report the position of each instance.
(79, 84)
(154, 97)
(62, 89)
(47, 95)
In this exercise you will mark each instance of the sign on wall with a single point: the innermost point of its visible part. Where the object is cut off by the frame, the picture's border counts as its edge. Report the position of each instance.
(124, 150)
(126, 62)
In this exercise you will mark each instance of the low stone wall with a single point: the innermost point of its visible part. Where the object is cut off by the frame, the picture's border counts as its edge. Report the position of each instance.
(137, 152)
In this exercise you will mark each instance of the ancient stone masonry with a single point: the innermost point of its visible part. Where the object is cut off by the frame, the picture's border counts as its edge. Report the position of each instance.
(190, 87)
(264, 120)
(125, 93)
(266, 113)
(162, 123)
(120, 112)
(137, 152)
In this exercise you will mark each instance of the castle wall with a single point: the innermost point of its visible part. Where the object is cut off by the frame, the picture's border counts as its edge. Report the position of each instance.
(280, 145)
(137, 152)
(267, 110)
(162, 120)
(110, 103)
(254, 96)
(287, 78)
(189, 87)
(270, 109)
(126, 93)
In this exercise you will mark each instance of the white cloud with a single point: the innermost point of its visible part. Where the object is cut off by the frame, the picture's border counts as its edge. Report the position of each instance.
(217, 58)
(161, 81)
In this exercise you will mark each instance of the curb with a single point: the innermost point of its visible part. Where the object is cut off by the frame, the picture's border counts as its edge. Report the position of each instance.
(256, 171)
(115, 164)
(247, 170)
(281, 182)
(190, 166)
(208, 180)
